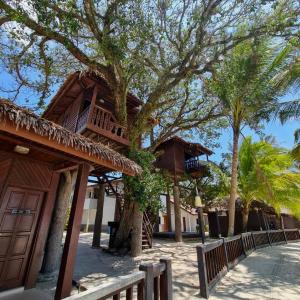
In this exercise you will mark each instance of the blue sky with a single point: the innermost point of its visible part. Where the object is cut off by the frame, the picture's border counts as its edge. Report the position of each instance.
(284, 134)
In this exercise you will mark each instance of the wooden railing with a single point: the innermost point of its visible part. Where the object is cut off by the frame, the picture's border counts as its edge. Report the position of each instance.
(153, 281)
(194, 164)
(103, 122)
(217, 258)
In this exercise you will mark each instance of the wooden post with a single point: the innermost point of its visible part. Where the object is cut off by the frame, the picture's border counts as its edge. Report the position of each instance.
(201, 223)
(64, 282)
(243, 244)
(149, 281)
(266, 227)
(218, 223)
(166, 288)
(226, 253)
(253, 239)
(169, 213)
(98, 217)
(177, 214)
(204, 290)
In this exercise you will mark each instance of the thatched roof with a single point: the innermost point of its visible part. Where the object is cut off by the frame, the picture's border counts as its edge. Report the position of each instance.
(26, 119)
(222, 205)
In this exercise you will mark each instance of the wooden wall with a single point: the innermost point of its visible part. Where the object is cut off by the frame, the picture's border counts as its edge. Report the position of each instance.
(255, 222)
(23, 172)
(172, 158)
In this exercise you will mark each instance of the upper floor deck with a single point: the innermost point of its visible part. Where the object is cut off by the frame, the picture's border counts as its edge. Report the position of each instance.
(84, 104)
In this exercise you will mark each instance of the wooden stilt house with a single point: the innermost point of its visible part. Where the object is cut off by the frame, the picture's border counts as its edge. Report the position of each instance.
(78, 130)
(179, 157)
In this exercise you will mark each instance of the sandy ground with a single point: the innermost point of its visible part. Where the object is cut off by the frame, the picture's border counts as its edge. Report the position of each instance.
(93, 266)
(269, 273)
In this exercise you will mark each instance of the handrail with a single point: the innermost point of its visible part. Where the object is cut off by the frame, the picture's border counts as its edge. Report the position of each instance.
(152, 281)
(103, 122)
(217, 258)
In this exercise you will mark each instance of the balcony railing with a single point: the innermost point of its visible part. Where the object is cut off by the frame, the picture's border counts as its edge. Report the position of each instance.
(195, 164)
(102, 122)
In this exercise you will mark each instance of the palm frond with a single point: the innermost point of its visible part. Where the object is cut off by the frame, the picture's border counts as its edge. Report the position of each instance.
(289, 110)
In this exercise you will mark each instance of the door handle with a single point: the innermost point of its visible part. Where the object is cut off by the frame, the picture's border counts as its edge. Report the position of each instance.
(21, 211)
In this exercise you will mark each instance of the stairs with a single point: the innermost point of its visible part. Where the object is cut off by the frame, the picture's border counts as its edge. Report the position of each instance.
(147, 227)
(147, 232)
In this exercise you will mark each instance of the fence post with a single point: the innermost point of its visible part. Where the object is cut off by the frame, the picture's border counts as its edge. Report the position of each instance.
(149, 281)
(269, 239)
(166, 289)
(204, 291)
(226, 253)
(253, 239)
(284, 236)
(243, 244)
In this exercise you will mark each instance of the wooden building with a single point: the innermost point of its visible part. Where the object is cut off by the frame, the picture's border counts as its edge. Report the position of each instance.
(33, 153)
(179, 157)
(84, 104)
(261, 217)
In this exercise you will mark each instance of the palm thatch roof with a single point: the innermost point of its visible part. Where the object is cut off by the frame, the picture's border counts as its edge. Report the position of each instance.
(26, 119)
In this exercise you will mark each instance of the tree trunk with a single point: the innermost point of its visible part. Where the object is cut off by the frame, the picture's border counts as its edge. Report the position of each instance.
(233, 188)
(136, 236)
(98, 217)
(53, 248)
(125, 224)
(245, 217)
(177, 213)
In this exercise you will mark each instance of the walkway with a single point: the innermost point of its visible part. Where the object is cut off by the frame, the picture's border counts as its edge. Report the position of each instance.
(268, 273)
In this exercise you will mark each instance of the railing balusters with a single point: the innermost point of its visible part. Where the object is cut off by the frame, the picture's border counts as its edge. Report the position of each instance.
(215, 259)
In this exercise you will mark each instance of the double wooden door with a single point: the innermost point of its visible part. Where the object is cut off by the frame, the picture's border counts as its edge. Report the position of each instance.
(19, 214)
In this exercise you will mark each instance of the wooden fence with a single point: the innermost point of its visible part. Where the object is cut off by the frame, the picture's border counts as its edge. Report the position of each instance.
(217, 258)
(152, 282)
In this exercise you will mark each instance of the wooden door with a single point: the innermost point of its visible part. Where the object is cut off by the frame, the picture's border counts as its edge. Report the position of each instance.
(165, 227)
(19, 212)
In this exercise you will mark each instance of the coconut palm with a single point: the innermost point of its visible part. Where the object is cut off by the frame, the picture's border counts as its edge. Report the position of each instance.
(266, 174)
(243, 84)
(289, 79)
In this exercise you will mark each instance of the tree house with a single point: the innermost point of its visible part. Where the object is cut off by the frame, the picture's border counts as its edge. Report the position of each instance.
(178, 157)
(84, 104)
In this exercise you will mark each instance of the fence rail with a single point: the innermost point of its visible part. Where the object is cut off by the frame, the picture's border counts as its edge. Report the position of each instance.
(151, 282)
(217, 258)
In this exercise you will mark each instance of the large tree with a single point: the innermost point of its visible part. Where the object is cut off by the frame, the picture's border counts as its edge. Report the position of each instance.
(157, 49)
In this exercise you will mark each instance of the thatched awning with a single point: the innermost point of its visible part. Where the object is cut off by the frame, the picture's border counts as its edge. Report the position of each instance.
(25, 120)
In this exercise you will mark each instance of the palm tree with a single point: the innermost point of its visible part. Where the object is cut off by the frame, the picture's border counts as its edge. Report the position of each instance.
(243, 84)
(289, 79)
(266, 174)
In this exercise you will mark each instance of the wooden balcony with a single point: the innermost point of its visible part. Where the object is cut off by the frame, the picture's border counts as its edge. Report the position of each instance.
(102, 122)
(196, 167)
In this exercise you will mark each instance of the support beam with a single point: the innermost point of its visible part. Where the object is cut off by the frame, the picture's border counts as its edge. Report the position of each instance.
(64, 283)
(169, 213)
(177, 213)
(98, 217)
